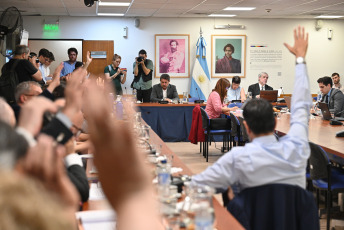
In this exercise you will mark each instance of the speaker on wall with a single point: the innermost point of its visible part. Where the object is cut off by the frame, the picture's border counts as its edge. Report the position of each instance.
(137, 22)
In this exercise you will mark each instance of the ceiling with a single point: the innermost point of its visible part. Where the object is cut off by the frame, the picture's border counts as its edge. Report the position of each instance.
(182, 8)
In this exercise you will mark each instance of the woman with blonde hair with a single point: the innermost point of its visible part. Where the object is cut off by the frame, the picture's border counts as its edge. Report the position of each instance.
(116, 74)
(215, 104)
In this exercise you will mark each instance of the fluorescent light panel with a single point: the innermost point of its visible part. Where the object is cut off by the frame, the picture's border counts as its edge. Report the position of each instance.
(109, 14)
(329, 16)
(114, 3)
(240, 8)
(222, 15)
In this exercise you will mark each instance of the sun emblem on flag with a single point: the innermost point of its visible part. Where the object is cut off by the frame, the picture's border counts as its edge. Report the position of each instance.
(201, 78)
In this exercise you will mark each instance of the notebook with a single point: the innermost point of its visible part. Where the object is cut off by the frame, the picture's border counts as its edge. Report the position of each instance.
(269, 95)
(326, 112)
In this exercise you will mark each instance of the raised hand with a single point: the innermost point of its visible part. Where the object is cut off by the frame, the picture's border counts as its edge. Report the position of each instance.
(300, 43)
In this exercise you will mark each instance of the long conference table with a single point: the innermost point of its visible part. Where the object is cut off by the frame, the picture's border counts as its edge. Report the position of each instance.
(320, 133)
(223, 219)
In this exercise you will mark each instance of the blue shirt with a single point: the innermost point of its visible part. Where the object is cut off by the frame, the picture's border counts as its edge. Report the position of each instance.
(67, 68)
(41, 68)
(267, 160)
(329, 96)
(233, 94)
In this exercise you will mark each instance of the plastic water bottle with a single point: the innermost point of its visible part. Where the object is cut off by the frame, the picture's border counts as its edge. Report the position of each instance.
(204, 219)
(164, 178)
(319, 96)
(119, 109)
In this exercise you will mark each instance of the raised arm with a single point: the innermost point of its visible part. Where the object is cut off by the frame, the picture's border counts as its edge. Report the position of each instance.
(301, 99)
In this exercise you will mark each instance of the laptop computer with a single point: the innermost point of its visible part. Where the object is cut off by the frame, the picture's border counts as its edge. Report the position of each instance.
(326, 112)
(269, 95)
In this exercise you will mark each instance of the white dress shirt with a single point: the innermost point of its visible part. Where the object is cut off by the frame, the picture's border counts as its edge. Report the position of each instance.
(267, 160)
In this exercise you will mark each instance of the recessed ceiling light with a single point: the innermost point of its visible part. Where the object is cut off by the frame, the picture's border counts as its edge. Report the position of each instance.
(114, 3)
(222, 15)
(329, 16)
(109, 14)
(240, 8)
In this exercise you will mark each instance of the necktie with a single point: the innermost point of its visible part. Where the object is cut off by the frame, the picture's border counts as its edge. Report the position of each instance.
(326, 99)
(262, 88)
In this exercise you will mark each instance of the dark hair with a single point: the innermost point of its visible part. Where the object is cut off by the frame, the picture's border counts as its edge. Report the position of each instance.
(72, 50)
(174, 41)
(334, 74)
(142, 52)
(12, 143)
(236, 80)
(230, 46)
(51, 56)
(78, 64)
(21, 49)
(259, 116)
(325, 80)
(165, 76)
(221, 88)
(59, 91)
(32, 54)
(43, 52)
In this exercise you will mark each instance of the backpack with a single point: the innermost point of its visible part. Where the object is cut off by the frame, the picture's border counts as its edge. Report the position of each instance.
(8, 83)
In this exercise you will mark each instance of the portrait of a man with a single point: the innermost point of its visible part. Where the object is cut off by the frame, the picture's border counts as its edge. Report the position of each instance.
(172, 61)
(228, 55)
(228, 64)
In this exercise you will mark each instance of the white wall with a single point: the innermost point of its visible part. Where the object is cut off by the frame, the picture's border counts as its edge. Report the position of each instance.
(324, 56)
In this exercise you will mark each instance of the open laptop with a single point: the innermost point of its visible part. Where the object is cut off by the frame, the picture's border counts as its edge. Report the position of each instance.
(269, 95)
(326, 112)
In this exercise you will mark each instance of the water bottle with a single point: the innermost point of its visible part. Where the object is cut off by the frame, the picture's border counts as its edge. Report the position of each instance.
(164, 178)
(119, 109)
(204, 219)
(319, 96)
(112, 100)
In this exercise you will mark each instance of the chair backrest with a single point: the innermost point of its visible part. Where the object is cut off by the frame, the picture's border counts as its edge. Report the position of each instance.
(205, 119)
(275, 206)
(235, 126)
(243, 130)
(318, 162)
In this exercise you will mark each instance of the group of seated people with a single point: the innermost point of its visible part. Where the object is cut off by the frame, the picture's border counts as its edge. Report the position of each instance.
(38, 153)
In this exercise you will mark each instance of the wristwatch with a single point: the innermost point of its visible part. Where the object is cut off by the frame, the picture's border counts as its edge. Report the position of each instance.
(300, 60)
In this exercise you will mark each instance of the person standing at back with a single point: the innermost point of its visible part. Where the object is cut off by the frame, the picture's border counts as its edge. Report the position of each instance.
(69, 66)
(115, 74)
(143, 71)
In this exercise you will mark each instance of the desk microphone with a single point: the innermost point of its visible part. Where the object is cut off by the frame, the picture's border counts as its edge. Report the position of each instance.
(199, 101)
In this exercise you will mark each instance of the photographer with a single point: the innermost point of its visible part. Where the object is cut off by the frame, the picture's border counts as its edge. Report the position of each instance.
(143, 71)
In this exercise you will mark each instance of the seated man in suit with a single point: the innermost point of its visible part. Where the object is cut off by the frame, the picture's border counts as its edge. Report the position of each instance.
(333, 97)
(164, 91)
(261, 85)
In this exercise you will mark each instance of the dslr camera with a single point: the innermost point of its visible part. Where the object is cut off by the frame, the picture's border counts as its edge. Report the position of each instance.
(139, 59)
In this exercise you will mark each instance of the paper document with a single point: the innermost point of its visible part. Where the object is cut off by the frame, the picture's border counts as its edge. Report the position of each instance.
(96, 220)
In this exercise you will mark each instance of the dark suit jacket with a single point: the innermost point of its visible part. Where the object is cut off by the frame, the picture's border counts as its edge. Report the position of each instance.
(77, 175)
(256, 90)
(336, 102)
(157, 93)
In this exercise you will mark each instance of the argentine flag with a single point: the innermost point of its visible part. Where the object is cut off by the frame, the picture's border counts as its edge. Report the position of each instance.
(200, 75)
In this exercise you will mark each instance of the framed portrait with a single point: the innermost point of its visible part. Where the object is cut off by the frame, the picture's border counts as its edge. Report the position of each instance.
(172, 55)
(228, 55)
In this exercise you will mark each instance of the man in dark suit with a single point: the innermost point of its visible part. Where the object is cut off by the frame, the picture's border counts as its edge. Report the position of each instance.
(164, 91)
(333, 97)
(261, 85)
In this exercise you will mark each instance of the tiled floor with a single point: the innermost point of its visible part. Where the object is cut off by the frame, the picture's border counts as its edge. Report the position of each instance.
(191, 156)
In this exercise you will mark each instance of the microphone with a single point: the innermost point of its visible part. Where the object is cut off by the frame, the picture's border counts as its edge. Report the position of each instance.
(199, 101)
(282, 90)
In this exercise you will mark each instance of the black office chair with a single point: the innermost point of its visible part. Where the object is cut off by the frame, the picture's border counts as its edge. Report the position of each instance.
(324, 177)
(275, 206)
(212, 128)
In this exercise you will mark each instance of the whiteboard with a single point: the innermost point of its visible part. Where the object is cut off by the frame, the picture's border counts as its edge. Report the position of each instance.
(58, 47)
